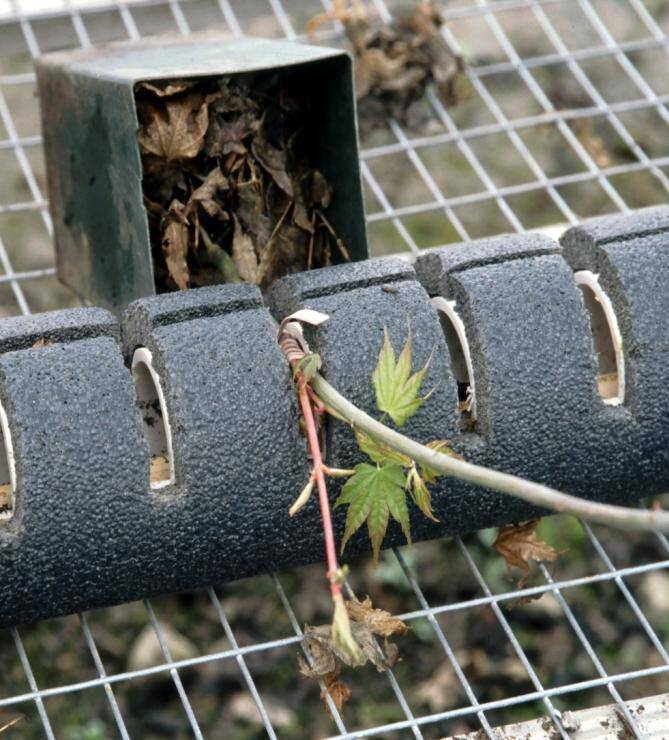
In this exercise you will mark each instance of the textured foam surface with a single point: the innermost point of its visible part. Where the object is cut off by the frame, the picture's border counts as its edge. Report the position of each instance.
(634, 273)
(87, 529)
(433, 264)
(239, 457)
(618, 227)
(172, 308)
(78, 537)
(288, 293)
(21, 332)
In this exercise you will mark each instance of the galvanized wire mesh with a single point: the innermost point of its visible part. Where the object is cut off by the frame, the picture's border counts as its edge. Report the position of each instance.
(565, 118)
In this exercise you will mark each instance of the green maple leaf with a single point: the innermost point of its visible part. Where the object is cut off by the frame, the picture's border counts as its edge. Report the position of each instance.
(440, 445)
(375, 493)
(396, 389)
(420, 493)
(378, 452)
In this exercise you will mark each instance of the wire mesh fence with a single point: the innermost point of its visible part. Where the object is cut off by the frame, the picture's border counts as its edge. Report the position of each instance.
(564, 118)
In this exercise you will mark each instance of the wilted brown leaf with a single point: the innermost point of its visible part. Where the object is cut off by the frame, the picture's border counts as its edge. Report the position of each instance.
(251, 212)
(379, 621)
(518, 545)
(338, 690)
(374, 70)
(175, 130)
(228, 136)
(321, 192)
(367, 624)
(285, 252)
(326, 656)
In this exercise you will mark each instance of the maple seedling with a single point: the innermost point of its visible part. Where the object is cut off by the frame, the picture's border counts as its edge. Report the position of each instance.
(400, 467)
(378, 490)
(374, 492)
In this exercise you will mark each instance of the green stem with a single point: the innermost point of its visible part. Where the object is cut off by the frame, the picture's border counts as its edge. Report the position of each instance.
(535, 493)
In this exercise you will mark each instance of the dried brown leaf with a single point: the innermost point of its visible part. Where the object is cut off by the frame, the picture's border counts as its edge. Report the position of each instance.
(205, 194)
(227, 151)
(374, 70)
(174, 243)
(367, 624)
(395, 62)
(326, 657)
(176, 130)
(226, 136)
(162, 179)
(166, 88)
(301, 217)
(518, 545)
(321, 192)
(379, 621)
(273, 161)
(244, 256)
(318, 642)
(42, 342)
(327, 671)
(326, 660)
(250, 212)
(339, 692)
(234, 99)
(285, 253)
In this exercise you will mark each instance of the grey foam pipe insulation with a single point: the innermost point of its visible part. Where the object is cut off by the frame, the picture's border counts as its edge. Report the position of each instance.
(75, 455)
(164, 457)
(91, 525)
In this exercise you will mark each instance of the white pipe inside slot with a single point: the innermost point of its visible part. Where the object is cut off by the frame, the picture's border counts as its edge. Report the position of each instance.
(157, 429)
(458, 347)
(7, 467)
(607, 338)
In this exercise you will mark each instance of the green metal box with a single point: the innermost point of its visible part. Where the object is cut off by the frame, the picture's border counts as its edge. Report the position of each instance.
(94, 168)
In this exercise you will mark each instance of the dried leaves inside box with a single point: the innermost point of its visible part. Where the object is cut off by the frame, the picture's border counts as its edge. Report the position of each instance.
(231, 180)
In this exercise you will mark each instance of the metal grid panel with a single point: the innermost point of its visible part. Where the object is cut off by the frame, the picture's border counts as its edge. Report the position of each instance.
(566, 118)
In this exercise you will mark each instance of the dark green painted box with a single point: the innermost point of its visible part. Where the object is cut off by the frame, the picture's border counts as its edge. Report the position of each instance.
(89, 122)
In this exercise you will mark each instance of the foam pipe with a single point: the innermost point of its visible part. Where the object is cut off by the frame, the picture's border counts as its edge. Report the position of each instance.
(162, 455)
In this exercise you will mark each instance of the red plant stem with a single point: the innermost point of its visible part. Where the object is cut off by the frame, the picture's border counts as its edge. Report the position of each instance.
(314, 446)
